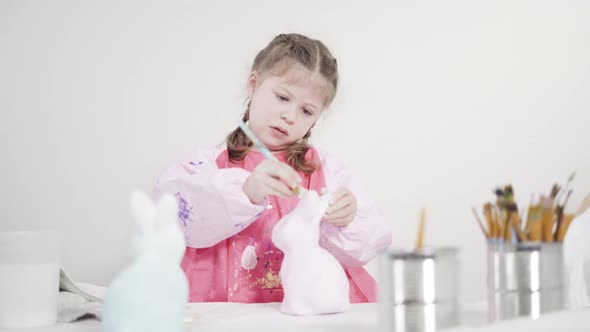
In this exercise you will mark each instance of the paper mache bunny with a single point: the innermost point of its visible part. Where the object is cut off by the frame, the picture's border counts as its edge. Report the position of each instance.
(313, 280)
(151, 294)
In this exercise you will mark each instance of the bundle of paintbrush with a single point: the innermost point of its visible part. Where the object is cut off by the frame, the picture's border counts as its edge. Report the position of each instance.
(546, 220)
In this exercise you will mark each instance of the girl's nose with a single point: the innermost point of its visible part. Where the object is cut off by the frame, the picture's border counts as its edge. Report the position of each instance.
(288, 116)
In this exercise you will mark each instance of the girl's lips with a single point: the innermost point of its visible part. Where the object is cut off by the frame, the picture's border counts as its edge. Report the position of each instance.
(280, 131)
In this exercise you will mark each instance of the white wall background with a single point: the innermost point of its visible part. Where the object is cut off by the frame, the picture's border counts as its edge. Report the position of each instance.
(440, 101)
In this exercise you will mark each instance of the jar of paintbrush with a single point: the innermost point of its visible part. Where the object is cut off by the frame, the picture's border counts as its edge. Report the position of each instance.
(525, 272)
(419, 288)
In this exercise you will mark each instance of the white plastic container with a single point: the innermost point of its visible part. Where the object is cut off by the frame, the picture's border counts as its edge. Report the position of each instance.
(29, 278)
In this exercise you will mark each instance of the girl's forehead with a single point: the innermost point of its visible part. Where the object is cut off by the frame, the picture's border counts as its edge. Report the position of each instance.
(296, 74)
(303, 80)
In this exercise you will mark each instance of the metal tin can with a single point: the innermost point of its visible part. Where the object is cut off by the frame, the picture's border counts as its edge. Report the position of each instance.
(524, 279)
(419, 289)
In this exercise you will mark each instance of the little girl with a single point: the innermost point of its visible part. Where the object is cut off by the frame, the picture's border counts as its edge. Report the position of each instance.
(230, 197)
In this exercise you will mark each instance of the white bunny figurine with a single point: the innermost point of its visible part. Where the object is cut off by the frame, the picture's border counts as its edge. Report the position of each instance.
(313, 280)
(151, 294)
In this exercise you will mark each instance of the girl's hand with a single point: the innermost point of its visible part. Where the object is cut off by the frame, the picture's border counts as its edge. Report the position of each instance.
(342, 208)
(270, 177)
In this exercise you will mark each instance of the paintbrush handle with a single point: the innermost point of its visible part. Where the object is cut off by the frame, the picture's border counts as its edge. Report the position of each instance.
(263, 149)
(562, 230)
(298, 189)
(507, 226)
(488, 215)
(547, 222)
(420, 239)
(516, 225)
(483, 230)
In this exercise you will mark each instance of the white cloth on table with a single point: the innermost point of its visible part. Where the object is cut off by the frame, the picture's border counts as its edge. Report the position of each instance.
(77, 301)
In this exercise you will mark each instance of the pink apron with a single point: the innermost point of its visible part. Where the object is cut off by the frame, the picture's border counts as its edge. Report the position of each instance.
(216, 274)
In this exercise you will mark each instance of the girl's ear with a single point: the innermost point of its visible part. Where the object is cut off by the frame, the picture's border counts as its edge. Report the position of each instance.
(252, 82)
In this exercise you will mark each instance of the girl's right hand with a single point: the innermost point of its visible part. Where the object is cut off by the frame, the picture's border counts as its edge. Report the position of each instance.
(271, 177)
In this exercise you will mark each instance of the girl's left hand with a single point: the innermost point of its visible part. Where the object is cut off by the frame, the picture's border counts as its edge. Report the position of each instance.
(342, 208)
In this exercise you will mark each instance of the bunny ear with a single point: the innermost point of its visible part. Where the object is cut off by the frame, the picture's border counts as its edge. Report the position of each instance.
(167, 211)
(142, 210)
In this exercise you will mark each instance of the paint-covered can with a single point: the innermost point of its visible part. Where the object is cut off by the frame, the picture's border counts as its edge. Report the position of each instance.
(419, 290)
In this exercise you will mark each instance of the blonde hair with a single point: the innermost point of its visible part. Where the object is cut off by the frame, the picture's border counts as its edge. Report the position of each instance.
(276, 58)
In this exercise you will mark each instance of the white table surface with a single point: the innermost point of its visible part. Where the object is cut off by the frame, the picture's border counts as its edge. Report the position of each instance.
(220, 317)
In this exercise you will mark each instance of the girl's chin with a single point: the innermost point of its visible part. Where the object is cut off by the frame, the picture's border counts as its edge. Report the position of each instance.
(277, 146)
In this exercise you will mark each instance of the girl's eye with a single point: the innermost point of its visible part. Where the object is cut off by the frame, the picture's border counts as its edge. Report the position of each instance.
(282, 98)
(307, 112)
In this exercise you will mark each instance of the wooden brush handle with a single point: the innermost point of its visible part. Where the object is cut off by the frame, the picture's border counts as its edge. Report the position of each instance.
(562, 230)
(536, 230)
(420, 239)
(503, 229)
(516, 225)
(488, 215)
(547, 224)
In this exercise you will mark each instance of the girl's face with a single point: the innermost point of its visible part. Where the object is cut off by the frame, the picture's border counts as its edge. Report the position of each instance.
(284, 108)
